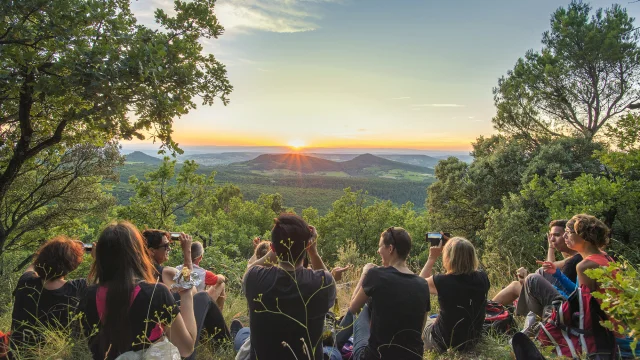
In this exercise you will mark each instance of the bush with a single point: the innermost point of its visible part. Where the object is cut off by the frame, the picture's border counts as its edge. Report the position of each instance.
(620, 299)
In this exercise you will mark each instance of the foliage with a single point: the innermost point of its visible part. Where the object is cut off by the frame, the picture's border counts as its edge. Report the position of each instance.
(69, 79)
(157, 200)
(585, 75)
(56, 192)
(352, 218)
(620, 298)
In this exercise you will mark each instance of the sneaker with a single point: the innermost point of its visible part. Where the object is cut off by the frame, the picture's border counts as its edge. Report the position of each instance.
(236, 325)
(531, 325)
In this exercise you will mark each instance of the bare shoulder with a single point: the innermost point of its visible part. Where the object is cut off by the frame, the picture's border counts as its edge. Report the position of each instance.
(586, 265)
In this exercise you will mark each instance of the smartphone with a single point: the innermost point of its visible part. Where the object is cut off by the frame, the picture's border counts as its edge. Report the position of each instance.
(175, 236)
(88, 248)
(435, 237)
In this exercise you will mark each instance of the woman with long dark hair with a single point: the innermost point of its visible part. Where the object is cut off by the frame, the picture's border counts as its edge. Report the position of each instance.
(129, 308)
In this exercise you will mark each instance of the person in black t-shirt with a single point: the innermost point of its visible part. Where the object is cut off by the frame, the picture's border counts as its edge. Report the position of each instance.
(128, 307)
(462, 295)
(43, 299)
(390, 324)
(288, 303)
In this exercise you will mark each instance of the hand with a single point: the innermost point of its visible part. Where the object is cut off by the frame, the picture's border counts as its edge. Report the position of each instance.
(185, 242)
(312, 247)
(548, 266)
(445, 238)
(256, 241)
(551, 246)
(93, 250)
(337, 271)
(435, 251)
(221, 278)
(521, 273)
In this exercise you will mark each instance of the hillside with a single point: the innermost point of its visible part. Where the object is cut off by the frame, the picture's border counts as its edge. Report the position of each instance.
(418, 160)
(140, 157)
(292, 162)
(221, 158)
(361, 165)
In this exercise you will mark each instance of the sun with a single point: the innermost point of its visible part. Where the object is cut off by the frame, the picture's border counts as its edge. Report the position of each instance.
(296, 144)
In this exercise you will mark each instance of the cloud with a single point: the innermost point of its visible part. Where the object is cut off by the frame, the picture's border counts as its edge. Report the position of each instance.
(438, 105)
(401, 98)
(280, 16)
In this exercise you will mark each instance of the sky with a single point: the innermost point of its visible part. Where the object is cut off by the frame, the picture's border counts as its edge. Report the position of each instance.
(411, 74)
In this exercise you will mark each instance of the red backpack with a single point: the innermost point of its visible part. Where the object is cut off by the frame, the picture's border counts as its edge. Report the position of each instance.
(574, 328)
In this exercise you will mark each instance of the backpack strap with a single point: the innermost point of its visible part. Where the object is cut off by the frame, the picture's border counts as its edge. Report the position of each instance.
(553, 341)
(101, 300)
(565, 335)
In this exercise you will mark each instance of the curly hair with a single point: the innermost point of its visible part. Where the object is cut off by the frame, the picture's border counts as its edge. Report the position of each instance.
(262, 249)
(58, 257)
(590, 228)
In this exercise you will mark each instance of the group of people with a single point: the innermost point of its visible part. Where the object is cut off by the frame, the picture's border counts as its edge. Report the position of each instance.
(126, 304)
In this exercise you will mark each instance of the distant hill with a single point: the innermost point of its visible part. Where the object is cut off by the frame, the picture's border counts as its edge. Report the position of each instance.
(292, 162)
(418, 160)
(220, 158)
(360, 165)
(365, 161)
(140, 157)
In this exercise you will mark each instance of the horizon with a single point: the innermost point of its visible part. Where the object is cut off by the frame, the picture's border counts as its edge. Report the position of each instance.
(348, 74)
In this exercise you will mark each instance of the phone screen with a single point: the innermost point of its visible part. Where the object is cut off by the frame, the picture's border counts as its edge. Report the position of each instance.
(434, 238)
(175, 236)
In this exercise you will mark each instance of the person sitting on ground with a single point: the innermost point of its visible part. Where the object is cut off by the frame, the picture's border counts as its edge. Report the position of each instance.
(391, 302)
(127, 306)
(287, 303)
(260, 249)
(158, 247)
(462, 295)
(585, 234)
(43, 299)
(568, 265)
(212, 283)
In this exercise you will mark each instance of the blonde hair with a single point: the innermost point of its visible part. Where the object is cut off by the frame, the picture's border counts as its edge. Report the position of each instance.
(459, 256)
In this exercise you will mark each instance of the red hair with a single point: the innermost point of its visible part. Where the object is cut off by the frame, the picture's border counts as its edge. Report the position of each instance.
(58, 257)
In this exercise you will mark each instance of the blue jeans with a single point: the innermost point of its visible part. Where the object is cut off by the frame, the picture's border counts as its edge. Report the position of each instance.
(359, 329)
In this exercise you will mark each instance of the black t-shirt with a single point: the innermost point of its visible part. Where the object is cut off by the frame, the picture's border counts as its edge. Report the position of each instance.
(462, 299)
(35, 307)
(152, 308)
(569, 268)
(271, 293)
(398, 303)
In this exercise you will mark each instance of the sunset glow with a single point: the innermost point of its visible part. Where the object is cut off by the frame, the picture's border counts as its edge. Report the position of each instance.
(296, 144)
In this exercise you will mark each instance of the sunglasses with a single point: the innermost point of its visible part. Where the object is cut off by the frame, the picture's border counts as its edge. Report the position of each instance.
(166, 247)
(393, 238)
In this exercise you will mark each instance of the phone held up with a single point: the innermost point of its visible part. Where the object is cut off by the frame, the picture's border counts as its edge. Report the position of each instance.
(88, 247)
(434, 238)
(175, 236)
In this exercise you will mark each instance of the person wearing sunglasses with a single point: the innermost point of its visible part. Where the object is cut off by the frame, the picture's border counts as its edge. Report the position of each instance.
(388, 305)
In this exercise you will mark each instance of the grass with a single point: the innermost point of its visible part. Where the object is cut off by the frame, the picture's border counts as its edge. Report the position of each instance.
(60, 345)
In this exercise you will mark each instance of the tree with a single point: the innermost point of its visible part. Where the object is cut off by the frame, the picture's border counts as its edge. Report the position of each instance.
(586, 74)
(55, 188)
(93, 74)
(160, 197)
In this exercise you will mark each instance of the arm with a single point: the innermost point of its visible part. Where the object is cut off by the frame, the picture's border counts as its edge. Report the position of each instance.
(270, 259)
(432, 286)
(312, 250)
(583, 279)
(358, 300)
(550, 268)
(427, 269)
(183, 331)
(185, 243)
(434, 254)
